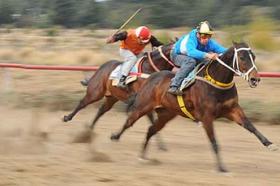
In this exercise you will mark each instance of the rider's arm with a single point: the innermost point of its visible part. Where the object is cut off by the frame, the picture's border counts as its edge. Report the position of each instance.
(193, 52)
(117, 37)
(216, 47)
(155, 42)
(120, 36)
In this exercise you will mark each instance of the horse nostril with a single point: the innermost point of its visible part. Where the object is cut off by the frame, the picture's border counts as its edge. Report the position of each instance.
(255, 79)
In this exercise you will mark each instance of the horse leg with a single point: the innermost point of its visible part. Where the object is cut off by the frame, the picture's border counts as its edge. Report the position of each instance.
(163, 117)
(159, 140)
(88, 99)
(106, 106)
(239, 117)
(208, 126)
(137, 113)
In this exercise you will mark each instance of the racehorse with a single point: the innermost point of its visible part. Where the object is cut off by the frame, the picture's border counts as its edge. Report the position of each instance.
(100, 85)
(212, 96)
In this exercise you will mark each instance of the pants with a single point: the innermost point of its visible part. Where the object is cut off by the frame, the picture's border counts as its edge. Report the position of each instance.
(129, 60)
(186, 63)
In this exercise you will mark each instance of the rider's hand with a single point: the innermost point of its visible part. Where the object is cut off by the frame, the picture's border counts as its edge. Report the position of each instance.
(154, 48)
(110, 39)
(212, 56)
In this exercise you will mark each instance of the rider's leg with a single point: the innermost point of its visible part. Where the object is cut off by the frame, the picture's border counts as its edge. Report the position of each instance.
(187, 64)
(129, 61)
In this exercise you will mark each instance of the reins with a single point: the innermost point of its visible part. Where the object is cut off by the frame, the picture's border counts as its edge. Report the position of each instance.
(150, 60)
(235, 69)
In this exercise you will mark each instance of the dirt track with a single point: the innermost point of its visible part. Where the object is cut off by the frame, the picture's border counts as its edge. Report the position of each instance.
(36, 149)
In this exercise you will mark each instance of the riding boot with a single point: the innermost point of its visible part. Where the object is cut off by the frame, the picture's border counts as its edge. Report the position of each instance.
(121, 83)
(175, 91)
(84, 82)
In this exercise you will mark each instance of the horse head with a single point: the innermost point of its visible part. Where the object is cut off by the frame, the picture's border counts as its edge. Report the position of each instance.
(242, 62)
(245, 63)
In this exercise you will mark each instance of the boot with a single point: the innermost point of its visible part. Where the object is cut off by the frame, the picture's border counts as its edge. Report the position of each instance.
(121, 83)
(84, 82)
(175, 91)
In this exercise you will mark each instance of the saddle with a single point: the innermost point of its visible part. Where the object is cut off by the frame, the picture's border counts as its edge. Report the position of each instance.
(190, 79)
(134, 74)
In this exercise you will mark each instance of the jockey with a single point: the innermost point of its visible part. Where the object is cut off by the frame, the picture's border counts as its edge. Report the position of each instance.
(133, 42)
(191, 49)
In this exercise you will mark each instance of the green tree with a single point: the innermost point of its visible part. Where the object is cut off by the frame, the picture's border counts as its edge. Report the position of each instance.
(65, 13)
(91, 13)
(6, 12)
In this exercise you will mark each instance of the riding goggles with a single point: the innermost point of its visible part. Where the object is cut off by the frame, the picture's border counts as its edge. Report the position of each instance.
(205, 36)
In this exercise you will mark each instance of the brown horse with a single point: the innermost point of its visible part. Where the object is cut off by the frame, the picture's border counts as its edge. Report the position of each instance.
(212, 96)
(101, 86)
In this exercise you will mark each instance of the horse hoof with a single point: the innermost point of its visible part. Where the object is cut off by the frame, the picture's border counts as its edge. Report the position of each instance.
(148, 161)
(115, 137)
(162, 148)
(272, 147)
(222, 170)
(65, 119)
(143, 159)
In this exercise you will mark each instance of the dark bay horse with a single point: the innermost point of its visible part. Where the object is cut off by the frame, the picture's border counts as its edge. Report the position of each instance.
(101, 86)
(212, 96)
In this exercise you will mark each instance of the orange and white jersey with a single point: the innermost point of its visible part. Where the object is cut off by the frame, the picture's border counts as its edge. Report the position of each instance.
(131, 43)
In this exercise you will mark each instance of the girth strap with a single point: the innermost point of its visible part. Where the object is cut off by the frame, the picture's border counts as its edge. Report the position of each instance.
(183, 107)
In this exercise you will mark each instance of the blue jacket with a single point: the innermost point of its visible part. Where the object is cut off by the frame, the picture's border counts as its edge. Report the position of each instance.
(190, 46)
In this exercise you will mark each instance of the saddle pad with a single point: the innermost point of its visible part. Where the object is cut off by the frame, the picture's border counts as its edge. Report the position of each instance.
(190, 79)
(128, 80)
(116, 73)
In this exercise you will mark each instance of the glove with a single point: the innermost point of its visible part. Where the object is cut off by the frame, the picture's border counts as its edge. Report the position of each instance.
(110, 39)
(212, 56)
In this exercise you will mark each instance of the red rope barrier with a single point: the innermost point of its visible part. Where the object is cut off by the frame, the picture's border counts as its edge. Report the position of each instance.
(49, 67)
(270, 74)
(91, 68)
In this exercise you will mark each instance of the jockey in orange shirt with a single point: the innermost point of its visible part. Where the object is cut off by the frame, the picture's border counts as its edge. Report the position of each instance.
(133, 42)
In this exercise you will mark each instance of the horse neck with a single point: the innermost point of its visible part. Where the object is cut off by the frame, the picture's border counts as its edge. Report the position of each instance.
(218, 71)
(158, 61)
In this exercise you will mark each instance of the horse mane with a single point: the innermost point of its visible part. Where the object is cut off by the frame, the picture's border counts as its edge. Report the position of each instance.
(227, 54)
(163, 47)
(155, 52)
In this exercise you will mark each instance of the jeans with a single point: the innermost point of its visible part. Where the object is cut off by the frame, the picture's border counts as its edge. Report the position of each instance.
(186, 64)
(129, 60)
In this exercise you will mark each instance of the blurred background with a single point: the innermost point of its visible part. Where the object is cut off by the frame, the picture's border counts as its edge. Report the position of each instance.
(69, 32)
(73, 32)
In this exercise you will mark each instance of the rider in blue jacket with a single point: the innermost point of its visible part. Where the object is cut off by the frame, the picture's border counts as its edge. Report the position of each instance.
(191, 49)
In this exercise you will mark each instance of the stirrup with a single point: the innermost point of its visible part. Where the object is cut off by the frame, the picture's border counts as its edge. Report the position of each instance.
(175, 91)
(121, 84)
(179, 92)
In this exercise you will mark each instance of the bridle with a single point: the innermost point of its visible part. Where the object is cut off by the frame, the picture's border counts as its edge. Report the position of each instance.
(235, 68)
(235, 65)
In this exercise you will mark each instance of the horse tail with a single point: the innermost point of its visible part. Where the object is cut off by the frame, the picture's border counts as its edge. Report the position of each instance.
(130, 101)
